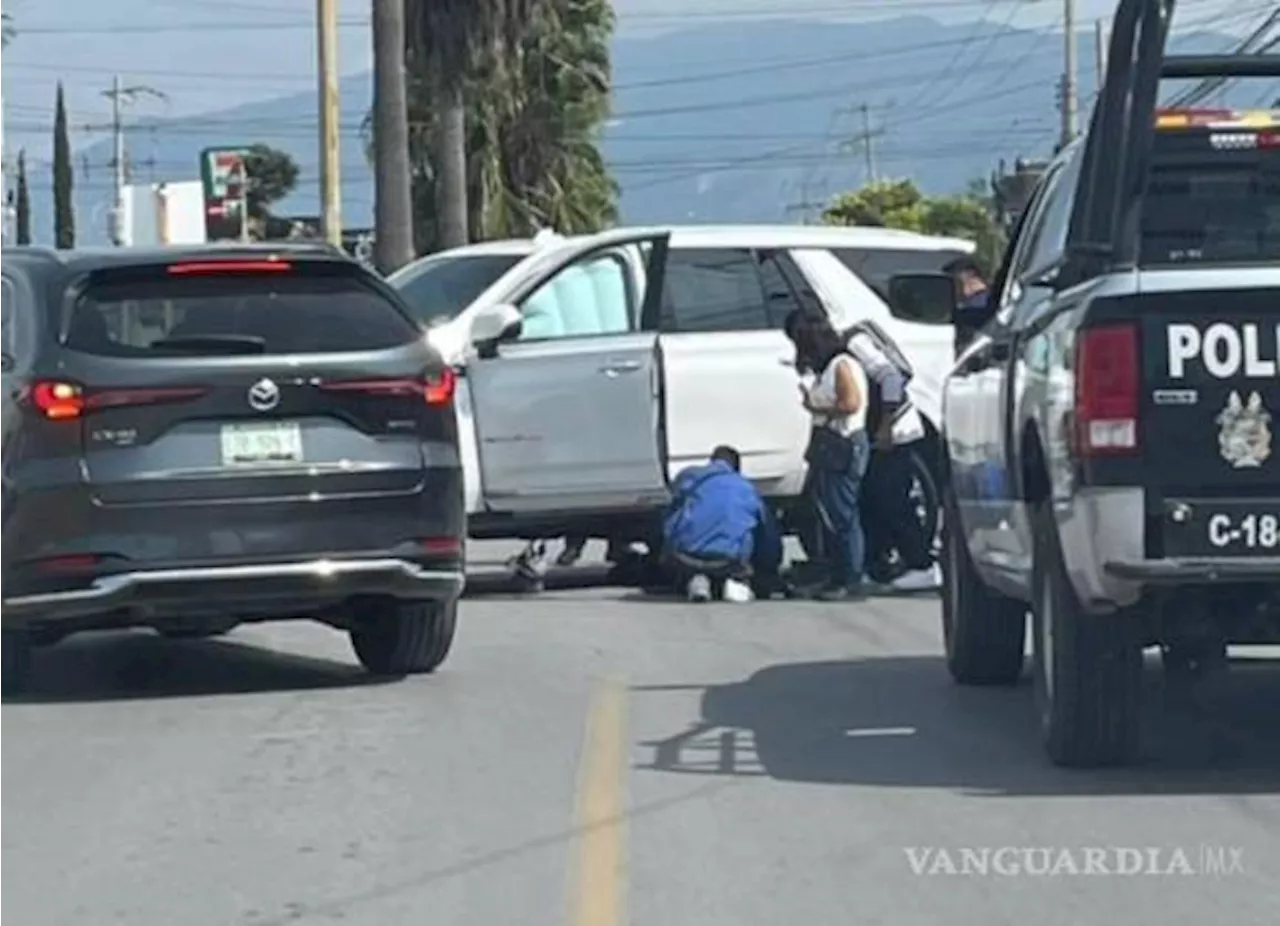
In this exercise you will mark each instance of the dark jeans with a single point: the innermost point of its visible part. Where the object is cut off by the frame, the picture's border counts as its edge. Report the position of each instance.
(888, 513)
(761, 573)
(838, 498)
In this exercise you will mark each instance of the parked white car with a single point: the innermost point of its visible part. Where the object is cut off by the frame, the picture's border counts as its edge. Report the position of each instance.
(596, 367)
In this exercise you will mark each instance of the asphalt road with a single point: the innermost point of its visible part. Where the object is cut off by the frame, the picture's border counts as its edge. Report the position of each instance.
(593, 758)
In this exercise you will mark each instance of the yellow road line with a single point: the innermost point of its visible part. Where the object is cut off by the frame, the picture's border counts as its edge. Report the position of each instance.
(597, 895)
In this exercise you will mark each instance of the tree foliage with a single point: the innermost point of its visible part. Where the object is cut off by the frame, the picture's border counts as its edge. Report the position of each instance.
(7, 30)
(22, 202)
(535, 101)
(270, 176)
(64, 218)
(900, 204)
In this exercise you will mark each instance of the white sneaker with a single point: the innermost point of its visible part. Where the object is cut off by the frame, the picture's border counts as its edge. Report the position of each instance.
(737, 592)
(918, 580)
(699, 589)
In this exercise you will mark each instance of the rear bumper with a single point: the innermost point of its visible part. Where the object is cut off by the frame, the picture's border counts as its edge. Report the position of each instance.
(233, 588)
(1196, 571)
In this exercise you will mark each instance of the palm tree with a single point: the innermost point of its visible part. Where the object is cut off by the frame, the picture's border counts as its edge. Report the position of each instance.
(393, 215)
(7, 30)
(447, 37)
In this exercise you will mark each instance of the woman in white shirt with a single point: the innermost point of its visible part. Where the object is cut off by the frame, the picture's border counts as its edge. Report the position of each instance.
(839, 448)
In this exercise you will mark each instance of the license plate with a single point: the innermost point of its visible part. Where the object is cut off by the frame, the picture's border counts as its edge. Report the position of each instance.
(261, 442)
(1224, 529)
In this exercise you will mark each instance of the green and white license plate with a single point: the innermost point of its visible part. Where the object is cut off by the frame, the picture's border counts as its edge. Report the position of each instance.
(261, 442)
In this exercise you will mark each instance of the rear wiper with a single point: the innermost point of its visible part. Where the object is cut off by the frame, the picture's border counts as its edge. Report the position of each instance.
(213, 344)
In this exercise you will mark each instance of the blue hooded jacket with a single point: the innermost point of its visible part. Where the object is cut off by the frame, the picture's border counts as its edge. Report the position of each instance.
(716, 512)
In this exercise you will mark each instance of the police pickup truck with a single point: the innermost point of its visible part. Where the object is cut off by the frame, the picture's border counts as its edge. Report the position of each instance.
(1109, 459)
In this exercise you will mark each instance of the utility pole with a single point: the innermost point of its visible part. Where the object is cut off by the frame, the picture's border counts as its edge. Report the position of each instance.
(1070, 94)
(863, 139)
(330, 178)
(392, 208)
(118, 237)
(866, 140)
(119, 96)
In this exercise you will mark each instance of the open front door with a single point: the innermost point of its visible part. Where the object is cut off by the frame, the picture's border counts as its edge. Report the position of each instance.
(568, 406)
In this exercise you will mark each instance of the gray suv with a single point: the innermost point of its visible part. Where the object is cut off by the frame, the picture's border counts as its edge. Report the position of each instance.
(194, 439)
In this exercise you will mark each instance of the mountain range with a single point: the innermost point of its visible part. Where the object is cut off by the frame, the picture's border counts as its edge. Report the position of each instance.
(733, 122)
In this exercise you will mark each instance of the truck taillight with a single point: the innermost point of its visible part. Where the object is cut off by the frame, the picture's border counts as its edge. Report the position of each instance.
(1107, 373)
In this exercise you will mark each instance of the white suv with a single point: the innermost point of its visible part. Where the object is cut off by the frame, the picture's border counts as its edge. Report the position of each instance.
(596, 367)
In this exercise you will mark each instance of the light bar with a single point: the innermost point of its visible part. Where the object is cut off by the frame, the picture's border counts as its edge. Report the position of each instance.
(1218, 118)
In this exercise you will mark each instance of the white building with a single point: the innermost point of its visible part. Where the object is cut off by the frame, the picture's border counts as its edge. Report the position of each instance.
(163, 213)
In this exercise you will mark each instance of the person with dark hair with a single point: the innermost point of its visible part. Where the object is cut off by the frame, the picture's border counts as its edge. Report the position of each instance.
(972, 296)
(839, 447)
(718, 533)
(971, 283)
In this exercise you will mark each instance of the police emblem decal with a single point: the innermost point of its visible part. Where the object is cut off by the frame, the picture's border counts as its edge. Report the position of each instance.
(1245, 438)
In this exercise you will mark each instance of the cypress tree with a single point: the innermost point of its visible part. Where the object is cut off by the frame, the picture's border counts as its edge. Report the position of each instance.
(23, 201)
(64, 218)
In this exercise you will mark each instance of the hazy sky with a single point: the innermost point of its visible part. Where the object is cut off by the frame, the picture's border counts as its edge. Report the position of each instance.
(212, 54)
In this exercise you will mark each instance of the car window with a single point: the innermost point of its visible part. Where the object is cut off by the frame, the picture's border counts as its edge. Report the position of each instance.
(875, 266)
(713, 289)
(437, 289)
(1212, 197)
(591, 297)
(19, 320)
(1049, 237)
(780, 298)
(208, 315)
(1022, 247)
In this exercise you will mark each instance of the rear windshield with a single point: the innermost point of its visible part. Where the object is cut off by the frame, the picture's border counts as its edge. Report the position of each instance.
(1212, 198)
(439, 289)
(253, 313)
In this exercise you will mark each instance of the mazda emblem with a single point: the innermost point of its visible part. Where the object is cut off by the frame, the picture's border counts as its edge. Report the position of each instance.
(264, 395)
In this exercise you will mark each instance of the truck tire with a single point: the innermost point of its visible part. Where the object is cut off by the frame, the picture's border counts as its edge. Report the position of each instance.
(410, 638)
(16, 667)
(1088, 668)
(985, 632)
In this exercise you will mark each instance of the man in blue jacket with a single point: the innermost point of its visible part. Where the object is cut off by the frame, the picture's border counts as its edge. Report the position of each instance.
(718, 531)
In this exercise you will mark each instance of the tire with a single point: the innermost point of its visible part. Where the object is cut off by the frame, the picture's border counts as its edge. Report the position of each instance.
(408, 639)
(1088, 668)
(17, 662)
(928, 501)
(985, 632)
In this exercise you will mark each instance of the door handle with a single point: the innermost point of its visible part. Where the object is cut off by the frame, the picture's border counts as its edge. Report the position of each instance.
(621, 366)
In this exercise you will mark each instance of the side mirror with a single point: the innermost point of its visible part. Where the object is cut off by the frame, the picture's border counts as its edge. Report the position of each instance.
(923, 297)
(495, 323)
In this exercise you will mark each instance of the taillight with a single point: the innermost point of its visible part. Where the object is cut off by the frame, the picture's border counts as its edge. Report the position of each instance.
(438, 390)
(58, 400)
(1106, 385)
(434, 390)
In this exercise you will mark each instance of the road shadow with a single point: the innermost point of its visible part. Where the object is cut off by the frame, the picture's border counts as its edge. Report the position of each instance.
(901, 722)
(497, 582)
(142, 665)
